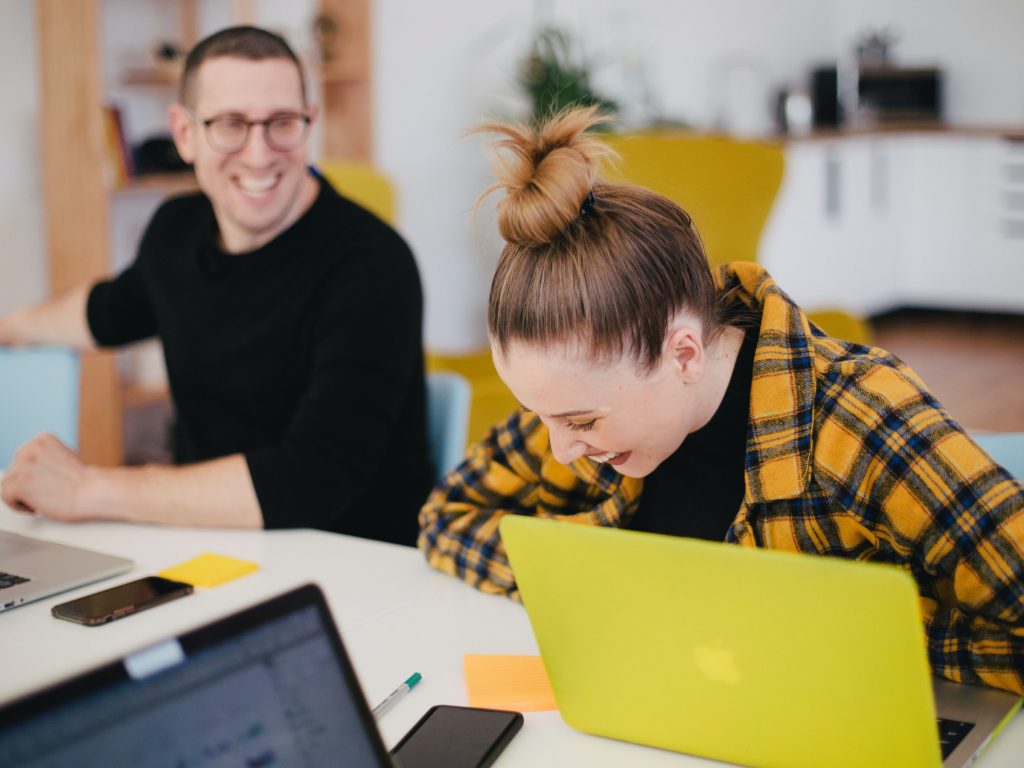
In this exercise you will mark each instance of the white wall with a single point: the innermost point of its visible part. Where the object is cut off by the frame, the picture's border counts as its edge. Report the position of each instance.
(979, 44)
(23, 275)
(442, 66)
(688, 51)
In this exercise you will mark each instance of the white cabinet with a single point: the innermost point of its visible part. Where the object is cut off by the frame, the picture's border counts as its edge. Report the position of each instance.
(870, 223)
(934, 179)
(830, 235)
(999, 209)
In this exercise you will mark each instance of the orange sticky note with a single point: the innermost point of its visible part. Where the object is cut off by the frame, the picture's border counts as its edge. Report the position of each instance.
(518, 683)
(209, 570)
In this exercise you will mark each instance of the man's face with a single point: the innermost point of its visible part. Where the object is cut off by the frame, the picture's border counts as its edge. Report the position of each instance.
(257, 192)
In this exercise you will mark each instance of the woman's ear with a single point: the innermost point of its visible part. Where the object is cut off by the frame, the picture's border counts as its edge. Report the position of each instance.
(686, 350)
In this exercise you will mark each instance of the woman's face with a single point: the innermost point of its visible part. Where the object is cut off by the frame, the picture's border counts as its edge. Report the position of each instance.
(612, 412)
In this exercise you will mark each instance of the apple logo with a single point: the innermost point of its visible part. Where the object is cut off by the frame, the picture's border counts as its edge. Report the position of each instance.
(717, 664)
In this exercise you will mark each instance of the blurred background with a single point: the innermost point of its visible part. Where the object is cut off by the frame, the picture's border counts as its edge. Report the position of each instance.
(870, 154)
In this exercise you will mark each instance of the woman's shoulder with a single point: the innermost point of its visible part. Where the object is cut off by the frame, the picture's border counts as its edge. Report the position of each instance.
(870, 369)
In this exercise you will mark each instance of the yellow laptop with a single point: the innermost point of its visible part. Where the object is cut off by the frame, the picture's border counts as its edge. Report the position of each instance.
(753, 657)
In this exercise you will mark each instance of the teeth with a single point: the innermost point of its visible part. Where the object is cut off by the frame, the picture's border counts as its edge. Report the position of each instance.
(601, 458)
(256, 186)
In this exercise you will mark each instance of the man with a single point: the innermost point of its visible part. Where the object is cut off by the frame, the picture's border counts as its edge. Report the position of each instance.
(291, 322)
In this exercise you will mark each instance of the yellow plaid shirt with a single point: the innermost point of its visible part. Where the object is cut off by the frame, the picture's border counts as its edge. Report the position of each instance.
(848, 455)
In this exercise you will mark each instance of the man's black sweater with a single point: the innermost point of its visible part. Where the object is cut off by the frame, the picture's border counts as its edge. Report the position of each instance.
(304, 355)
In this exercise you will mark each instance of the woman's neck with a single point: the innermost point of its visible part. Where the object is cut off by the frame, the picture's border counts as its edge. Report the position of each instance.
(721, 354)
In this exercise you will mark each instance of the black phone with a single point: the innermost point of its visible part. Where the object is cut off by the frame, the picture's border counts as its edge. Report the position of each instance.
(457, 737)
(122, 600)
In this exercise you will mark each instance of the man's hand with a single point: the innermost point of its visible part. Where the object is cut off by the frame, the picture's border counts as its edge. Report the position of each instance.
(46, 477)
(8, 331)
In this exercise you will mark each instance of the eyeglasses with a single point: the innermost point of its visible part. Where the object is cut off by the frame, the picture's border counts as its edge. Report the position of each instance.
(283, 132)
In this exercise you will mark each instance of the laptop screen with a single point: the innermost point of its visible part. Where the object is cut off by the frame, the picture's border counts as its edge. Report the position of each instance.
(270, 686)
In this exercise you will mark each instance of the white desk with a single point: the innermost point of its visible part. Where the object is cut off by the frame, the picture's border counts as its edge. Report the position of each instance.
(396, 615)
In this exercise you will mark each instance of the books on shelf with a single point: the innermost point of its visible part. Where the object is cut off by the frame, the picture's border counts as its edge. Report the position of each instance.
(119, 165)
(153, 166)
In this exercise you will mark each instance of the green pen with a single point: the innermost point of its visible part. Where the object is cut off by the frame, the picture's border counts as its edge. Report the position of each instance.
(396, 694)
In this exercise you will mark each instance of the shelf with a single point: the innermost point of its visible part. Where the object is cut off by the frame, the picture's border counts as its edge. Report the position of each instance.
(341, 73)
(168, 183)
(83, 158)
(152, 78)
(134, 396)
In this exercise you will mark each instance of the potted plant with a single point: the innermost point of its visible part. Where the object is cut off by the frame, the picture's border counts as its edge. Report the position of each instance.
(552, 78)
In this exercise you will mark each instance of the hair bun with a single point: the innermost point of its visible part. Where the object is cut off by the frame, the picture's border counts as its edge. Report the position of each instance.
(546, 172)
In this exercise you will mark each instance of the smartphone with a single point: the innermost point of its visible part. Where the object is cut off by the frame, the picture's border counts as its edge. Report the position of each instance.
(122, 600)
(457, 737)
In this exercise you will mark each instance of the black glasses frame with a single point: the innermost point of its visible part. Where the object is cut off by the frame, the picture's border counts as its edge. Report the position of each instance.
(265, 123)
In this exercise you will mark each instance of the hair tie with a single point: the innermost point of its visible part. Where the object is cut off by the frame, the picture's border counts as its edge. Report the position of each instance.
(588, 203)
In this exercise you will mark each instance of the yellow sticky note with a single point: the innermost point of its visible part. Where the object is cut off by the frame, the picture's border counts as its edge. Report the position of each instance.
(209, 570)
(519, 683)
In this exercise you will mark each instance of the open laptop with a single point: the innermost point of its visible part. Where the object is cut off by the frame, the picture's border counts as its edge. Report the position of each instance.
(268, 686)
(748, 656)
(31, 569)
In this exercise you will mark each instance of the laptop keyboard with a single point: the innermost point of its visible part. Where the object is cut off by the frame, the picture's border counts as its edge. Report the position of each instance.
(951, 733)
(10, 580)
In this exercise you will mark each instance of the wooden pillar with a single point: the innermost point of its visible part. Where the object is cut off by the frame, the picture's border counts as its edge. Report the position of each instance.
(76, 198)
(345, 77)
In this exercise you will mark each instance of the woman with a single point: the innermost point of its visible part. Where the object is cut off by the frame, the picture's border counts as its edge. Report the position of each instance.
(659, 396)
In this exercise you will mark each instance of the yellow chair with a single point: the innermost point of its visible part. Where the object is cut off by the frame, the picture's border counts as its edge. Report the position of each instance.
(728, 186)
(490, 400)
(362, 184)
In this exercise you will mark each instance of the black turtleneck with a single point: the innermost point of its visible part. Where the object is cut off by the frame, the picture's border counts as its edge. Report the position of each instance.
(697, 491)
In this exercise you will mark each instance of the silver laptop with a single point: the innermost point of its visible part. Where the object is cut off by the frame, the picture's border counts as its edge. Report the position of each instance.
(31, 569)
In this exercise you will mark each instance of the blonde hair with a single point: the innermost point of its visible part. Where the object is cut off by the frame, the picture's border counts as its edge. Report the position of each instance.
(586, 259)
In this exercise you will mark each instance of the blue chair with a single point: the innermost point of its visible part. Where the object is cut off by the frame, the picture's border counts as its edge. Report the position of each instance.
(1007, 448)
(447, 420)
(38, 393)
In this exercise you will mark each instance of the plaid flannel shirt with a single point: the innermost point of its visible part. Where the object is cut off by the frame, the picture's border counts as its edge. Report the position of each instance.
(848, 455)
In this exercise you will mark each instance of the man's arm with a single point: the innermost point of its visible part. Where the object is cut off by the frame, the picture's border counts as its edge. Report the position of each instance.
(60, 320)
(47, 478)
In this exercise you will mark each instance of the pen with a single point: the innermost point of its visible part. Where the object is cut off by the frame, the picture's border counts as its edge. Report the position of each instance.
(396, 694)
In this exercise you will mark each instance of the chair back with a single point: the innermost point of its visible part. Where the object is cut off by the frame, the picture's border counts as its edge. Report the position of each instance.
(727, 185)
(447, 420)
(1007, 449)
(38, 393)
(362, 184)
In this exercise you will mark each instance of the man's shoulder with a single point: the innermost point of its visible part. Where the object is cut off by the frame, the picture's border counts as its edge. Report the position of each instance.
(179, 223)
(355, 235)
(182, 209)
(347, 217)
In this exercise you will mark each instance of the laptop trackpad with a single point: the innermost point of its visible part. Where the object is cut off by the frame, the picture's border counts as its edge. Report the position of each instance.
(11, 547)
